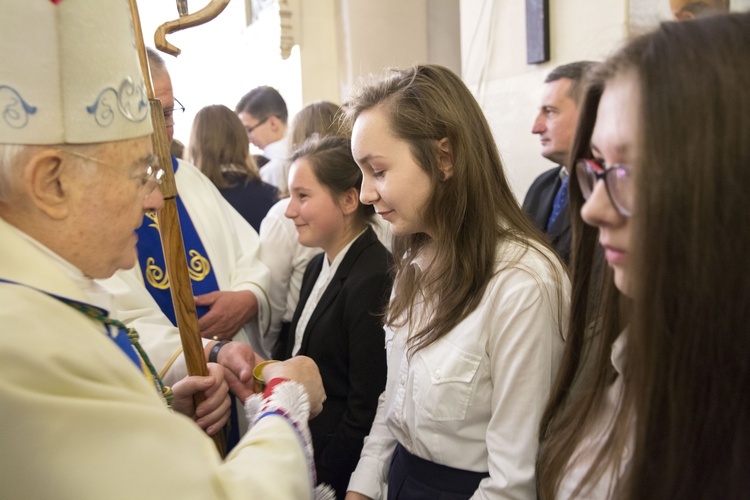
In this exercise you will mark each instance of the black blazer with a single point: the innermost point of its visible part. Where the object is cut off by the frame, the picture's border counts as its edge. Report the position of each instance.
(345, 337)
(538, 205)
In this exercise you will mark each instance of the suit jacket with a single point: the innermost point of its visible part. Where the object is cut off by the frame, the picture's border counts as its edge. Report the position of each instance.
(538, 205)
(345, 337)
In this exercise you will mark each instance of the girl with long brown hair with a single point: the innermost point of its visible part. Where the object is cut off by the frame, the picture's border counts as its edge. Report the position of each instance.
(652, 400)
(220, 149)
(473, 330)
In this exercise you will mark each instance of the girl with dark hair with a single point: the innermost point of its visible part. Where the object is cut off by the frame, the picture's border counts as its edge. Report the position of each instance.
(652, 400)
(344, 292)
(474, 329)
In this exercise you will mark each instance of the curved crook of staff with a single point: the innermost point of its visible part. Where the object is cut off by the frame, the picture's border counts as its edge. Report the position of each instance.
(210, 11)
(169, 229)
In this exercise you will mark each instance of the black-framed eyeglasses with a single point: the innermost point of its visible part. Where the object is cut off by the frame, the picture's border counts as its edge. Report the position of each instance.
(169, 112)
(249, 130)
(618, 180)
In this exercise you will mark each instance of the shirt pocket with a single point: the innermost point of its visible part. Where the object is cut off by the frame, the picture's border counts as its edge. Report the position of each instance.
(444, 380)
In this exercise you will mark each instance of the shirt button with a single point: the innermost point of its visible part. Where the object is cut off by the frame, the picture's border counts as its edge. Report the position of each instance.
(402, 380)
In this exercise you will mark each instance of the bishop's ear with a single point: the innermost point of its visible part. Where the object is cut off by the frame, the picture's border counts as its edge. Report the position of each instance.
(446, 158)
(47, 181)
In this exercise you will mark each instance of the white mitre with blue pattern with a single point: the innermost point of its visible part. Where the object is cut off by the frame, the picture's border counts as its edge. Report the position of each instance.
(70, 73)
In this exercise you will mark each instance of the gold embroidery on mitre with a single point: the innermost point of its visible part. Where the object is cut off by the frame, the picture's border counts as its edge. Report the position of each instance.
(156, 276)
(198, 267)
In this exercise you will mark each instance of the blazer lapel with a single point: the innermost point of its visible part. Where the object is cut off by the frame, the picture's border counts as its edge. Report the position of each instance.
(334, 287)
(304, 294)
(561, 224)
(546, 199)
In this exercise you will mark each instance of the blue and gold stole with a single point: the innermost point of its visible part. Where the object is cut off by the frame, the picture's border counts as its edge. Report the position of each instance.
(151, 258)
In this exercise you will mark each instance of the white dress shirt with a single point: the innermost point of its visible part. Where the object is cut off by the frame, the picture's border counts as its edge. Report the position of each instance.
(276, 171)
(591, 444)
(473, 399)
(324, 279)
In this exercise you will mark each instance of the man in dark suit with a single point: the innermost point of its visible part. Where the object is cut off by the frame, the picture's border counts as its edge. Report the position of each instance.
(546, 201)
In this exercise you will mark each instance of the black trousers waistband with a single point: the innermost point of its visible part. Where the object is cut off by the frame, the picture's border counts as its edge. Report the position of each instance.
(413, 478)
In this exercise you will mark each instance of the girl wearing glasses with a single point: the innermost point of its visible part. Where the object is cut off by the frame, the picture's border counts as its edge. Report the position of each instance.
(651, 400)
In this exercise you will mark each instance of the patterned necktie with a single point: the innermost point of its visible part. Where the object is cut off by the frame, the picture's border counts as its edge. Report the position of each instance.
(561, 198)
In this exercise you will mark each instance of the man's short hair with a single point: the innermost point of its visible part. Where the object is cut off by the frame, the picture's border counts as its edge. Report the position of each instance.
(262, 102)
(574, 72)
(156, 63)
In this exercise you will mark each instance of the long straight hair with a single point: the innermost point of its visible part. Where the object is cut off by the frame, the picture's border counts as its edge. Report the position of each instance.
(319, 118)
(220, 149)
(469, 214)
(687, 372)
(597, 317)
(691, 314)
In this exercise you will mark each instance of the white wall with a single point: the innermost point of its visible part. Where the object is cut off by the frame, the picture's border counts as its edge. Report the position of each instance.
(493, 41)
(319, 48)
(224, 59)
(493, 52)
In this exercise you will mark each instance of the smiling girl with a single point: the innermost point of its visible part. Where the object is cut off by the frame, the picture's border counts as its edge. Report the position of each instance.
(344, 292)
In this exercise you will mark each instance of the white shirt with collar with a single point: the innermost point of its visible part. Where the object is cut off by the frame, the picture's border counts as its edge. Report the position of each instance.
(327, 273)
(276, 171)
(591, 444)
(473, 399)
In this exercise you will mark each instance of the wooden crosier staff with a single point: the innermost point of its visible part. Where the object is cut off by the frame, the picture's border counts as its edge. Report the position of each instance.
(169, 222)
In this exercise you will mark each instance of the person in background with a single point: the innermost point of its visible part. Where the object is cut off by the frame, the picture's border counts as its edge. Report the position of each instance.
(319, 118)
(220, 149)
(475, 325)
(228, 280)
(652, 400)
(285, 257)
(546, 200)
(263, 113)
(177, 149)
(338, 319)
(686, 10)
(84, 416)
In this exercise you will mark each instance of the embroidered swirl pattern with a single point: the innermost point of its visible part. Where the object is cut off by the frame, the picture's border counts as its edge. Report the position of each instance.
(15, 110)
(130, 100)
(156, 276)
(198, 268)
